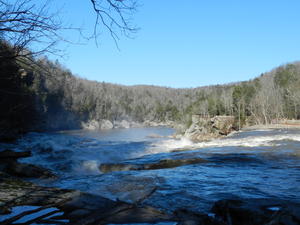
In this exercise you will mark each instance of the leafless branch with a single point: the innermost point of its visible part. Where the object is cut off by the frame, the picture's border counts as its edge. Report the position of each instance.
(115, 16)
(24, 24)
(27, 25)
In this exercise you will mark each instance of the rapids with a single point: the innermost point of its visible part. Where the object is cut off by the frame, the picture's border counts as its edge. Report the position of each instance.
(249, 164)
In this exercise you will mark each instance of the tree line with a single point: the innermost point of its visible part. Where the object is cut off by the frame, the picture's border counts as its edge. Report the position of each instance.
(39, 94)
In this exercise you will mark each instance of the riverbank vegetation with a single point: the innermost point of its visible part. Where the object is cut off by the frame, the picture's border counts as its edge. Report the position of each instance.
(38, 94)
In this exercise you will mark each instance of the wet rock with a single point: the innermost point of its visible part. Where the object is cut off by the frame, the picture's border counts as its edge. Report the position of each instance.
(187, 217)
(28, 170)
(112, 167)
(162, 164)
(171, 163)
(139, 215)
(4, 210)
(258, 212)
(68, 206)
(131, 189)
(10, 165)
(9, 154)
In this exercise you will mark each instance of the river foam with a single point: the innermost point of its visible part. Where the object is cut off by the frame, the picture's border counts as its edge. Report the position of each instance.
(248, 164)
(234, 140)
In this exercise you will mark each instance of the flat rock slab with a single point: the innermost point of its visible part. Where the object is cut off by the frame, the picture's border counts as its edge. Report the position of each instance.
(161, 164)
(25, 203)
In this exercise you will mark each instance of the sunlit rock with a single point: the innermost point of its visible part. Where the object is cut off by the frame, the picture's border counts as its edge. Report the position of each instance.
(204, 128)
(122, 124)
(97, 125)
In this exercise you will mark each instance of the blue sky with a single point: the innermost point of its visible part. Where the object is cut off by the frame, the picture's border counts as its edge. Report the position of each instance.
(189, 43)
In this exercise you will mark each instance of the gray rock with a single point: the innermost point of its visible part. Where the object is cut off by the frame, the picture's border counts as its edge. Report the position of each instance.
(28, 170)
(69, 206)
(91, 125)
(224, 124)
(162, 164)
(122, 124)
(97, 125)
(106, 125)
(111, 167)
(206, 128)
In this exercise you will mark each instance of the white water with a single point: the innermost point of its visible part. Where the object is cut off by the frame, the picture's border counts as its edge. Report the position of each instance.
(251, 141)
(249, 164)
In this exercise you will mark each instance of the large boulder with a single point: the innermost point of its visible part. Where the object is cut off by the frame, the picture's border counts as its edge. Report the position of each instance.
(106, 125)
(28, 170)
(9, 164)
(206, 128)
(224, 124)
(91, 125)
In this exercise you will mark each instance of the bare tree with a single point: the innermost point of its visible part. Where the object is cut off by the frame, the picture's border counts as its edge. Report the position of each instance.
(26, 23)
(115, 16)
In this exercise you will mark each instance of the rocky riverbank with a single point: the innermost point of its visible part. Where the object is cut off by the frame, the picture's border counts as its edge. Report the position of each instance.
(107, 124)
(23, 202)
(208, 128)
(285, 124)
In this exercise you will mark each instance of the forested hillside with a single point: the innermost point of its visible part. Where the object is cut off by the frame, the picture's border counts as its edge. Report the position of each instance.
(38, 94)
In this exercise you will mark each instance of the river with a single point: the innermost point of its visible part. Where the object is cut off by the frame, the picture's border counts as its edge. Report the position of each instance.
(248, 164)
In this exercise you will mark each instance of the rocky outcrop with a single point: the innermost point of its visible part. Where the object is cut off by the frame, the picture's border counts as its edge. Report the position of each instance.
(206, 128)
(161, 164)
(9, 164)
(122, 124)
(97, 125)
(22, 202)
(223, 124)
(125, 124)
(25, 203)
(106, 124)
(150, 123)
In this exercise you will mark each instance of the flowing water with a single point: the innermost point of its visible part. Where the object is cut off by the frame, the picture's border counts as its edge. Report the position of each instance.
(249, 164)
